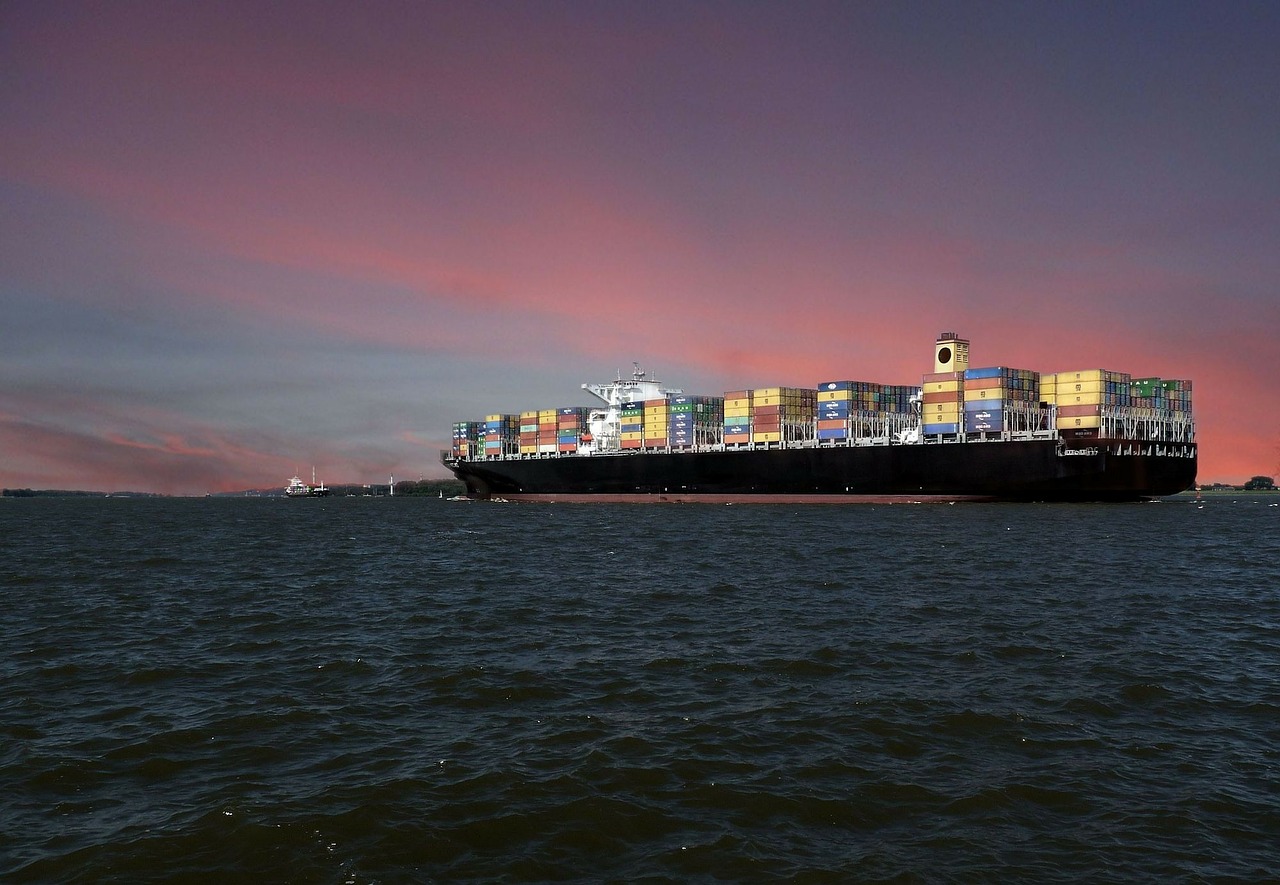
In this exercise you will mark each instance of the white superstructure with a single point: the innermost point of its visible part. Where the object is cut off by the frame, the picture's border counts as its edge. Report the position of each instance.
(604, 424)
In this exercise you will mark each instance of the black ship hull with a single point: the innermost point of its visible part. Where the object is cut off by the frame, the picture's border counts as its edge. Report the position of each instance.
(998, 470)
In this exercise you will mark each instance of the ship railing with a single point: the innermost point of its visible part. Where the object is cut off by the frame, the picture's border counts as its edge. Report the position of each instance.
(1143, 423)
(1023, 424)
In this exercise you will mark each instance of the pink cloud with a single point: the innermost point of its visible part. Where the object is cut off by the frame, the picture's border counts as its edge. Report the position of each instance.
(452, 200)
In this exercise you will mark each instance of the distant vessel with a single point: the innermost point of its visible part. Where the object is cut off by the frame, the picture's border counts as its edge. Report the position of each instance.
(299, 489)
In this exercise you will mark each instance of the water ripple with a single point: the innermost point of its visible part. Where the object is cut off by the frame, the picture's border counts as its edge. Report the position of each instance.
(382, 691)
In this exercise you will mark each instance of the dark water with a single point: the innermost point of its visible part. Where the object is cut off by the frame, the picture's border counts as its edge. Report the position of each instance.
(404, 690)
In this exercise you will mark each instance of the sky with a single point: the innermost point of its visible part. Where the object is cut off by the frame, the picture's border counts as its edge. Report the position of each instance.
(241, 239)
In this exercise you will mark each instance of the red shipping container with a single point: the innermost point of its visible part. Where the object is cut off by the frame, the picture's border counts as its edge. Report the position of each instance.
(946, 396)
(1087, 411)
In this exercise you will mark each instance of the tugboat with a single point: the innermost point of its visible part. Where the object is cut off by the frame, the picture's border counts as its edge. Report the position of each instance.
(299, 489)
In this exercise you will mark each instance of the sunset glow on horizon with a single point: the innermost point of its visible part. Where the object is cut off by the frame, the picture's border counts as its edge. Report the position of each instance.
(240, 241)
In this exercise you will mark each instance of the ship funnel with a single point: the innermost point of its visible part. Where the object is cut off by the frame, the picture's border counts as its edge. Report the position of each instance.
(951, 353)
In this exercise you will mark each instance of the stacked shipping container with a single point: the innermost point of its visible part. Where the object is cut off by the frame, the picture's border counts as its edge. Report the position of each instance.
(1177, 395)
(631, 433)
(1088, 403)
(776, 414)
(656, 417)
(842, 403)
(501, 435)
(538, 431)
(468, 439)
(992, 396)
(737, 417)
(571, 424)
(1168, 397)
(1081, 397)
(942, 402)
(694, 421)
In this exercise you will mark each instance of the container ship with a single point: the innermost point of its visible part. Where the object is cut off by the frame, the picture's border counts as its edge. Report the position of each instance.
(992, 433)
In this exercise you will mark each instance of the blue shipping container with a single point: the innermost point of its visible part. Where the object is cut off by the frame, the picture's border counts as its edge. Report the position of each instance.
(983, 405)
(991, 372)
(984, 422)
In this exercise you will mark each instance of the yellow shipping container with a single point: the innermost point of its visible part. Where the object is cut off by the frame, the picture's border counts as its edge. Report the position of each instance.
(531, 415)
(769, 436)
(1082, 387)
(528, 450)
(494, 417)
(831, 396)
(1082, 421)
(1083, 375)
(1079, 399)
(943, 386)
(632, 434)
(737, 411)
(547, 413)
(737, 403)
(1093, 375)
(765, 391)
(1051, 398)
(941, 412)
(981, 393)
